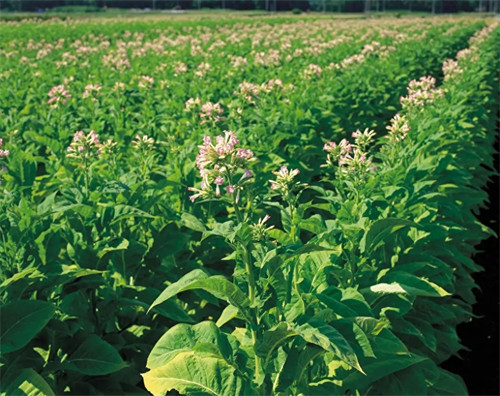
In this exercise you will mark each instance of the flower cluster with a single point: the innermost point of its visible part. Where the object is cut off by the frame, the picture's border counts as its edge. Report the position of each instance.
(179, 68)
(399, 128)
(451, 69)
(84, 146)
(375, 48)
(269, 58)
(119, 86)
(146, 82)
(118, 60)
(312, 71)
(109, 147)
(3, 154)
(352, 60)
(91, 91)
(421, 92)
(211, 112)
(219, 164)
(192, 102)
(464, 53)
(58, 94)
(259, 230)
(284, 182)
(363, 139)
(238, 61)
(351, 159)
(203, 68)
(336, 152)
(143, 143)
(249, 91)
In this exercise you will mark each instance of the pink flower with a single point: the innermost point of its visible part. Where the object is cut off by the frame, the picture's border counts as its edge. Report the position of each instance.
(230, 189)
(329, 146)
(219, 180)
(58, 94)
(244, 153)
(79, 135)
(146, 82)
(93, 137)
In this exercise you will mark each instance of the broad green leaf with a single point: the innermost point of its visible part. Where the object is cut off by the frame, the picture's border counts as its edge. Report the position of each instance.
(312, 248)
(416, 285)
(95, 357)
(411, 381)
(380, 368)
(225, 230)
(282, 237)
(272, 339)
(218, 286)
(230, 312)
(386, 343)
(184, 337)
(21, 321)
(330, 339)
(295, 308)
(118, 244)
(29, 383)
(192, 222)
(387, 288)
(122, 212)
(193, 373)
(296, 363)
(449, 384)
(32, 273)
(177, 287)
(380, 229)
(405, 283)
(363, 341)
(47, 205)
(313, 224)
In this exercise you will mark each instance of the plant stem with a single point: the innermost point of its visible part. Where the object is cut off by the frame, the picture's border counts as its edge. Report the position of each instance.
(251, 297)
(86, 177)
(251, 281)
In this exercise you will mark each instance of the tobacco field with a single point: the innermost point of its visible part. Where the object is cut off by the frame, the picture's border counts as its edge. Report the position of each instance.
(252, 206)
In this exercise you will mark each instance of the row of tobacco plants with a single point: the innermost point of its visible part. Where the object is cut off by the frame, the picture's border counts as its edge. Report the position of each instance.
(245, 237)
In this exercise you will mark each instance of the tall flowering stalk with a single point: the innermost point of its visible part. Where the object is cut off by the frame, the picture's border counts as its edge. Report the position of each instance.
(144, 147)
(399, 128)
(397, 133)
(286, 186)
(92, 91)
(289, 190)
(351, 161)
(223, 169)
(83, 150)
(225, 175)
